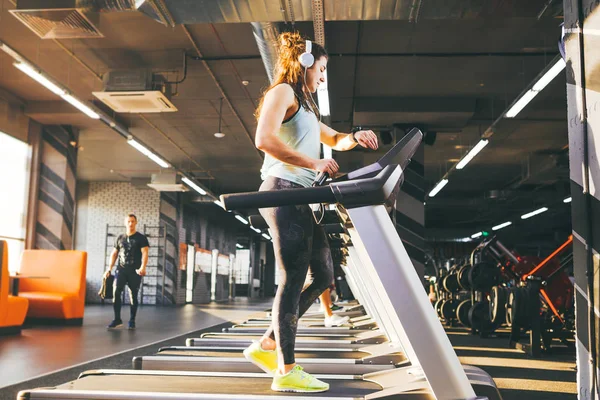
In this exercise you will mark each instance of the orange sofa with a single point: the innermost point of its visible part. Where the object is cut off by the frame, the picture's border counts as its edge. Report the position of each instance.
(60, 295)
(12, 309)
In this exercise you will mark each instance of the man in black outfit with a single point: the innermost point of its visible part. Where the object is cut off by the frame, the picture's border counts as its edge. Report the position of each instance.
(131, 249)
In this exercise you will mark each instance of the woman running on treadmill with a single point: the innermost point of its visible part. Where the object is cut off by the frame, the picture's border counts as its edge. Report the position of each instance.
(289, 132)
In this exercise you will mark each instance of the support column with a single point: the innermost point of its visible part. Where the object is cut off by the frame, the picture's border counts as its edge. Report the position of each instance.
(55, 213)
(582, 41)
(168, 219)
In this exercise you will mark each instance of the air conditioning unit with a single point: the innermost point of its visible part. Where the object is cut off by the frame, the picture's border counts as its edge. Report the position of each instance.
(167, 181)
(134, 91)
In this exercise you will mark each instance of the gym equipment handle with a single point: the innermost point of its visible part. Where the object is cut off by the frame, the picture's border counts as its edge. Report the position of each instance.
(321, 178)
(278, 198)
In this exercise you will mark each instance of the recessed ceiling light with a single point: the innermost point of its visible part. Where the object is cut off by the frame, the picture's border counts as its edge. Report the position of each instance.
(219, 135)
(245, 83)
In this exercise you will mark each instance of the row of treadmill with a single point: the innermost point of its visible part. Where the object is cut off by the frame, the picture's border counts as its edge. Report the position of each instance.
(394, 348)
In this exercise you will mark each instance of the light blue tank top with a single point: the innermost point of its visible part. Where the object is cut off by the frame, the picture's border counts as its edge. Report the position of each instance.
(303, 134)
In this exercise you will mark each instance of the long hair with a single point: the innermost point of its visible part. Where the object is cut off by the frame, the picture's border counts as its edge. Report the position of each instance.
(288, 69)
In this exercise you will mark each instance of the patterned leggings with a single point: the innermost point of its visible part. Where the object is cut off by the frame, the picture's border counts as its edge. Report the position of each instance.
(298, 242)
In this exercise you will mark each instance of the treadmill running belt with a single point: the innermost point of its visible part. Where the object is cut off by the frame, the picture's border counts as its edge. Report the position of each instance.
(207, 384)
(353, 355)
(298, 338)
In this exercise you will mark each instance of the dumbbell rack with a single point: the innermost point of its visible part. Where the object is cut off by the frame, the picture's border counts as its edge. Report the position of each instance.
(449, 292)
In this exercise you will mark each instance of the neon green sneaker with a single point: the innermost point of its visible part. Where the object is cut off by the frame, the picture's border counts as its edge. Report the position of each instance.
(263, 359)
(298, 381)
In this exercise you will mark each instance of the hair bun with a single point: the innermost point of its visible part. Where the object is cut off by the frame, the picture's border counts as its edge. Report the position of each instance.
(290, 39)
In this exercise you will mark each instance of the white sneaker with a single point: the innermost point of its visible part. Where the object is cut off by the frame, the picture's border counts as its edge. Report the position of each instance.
(336, 320)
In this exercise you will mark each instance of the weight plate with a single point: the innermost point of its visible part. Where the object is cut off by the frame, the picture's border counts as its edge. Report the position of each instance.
(462, 313)
(498, 305)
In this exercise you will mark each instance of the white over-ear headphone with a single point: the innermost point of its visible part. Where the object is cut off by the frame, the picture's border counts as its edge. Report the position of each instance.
(307, 59)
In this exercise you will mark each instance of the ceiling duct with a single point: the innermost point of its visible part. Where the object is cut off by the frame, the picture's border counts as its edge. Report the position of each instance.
(266, 34)
(135, 91)
(170, 12)
(70, 19)
(66, 19)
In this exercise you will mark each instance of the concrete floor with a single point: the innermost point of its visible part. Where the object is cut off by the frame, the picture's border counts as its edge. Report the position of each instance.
(518, 376)
(41, 350)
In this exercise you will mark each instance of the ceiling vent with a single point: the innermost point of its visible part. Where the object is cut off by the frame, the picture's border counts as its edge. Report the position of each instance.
(61, 19)
(167, 181)
(135, 91)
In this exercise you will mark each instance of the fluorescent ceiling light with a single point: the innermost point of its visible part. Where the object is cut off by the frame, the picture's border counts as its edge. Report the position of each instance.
(504, 225)
(438, 187)
(266, 236)
(81, 107)
(550, 75)
(536, 212)
(474, 151)
(40, 78)
(476, 235)
(37, 75)
(218, 202)
(138, 3)
(241, 219)
(193, 185)
(520, 105)
(567, 200)
(255, 230)
(239, 246)
(148, 153)
(537, 87)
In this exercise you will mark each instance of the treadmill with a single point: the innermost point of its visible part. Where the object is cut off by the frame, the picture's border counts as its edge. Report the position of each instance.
(349, 340)
(360, 359)
(434, 373)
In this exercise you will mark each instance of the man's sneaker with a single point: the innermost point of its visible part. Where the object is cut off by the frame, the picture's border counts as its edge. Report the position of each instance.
(335, 320)
(335, 307)
(131, 324)
(298, 381)
(263, 359)
(115, 324)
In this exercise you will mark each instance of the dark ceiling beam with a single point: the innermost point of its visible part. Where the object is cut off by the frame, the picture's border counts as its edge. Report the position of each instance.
(414, 110)
(50, 107)
(424, 54)
(10, 98)
(415, 104)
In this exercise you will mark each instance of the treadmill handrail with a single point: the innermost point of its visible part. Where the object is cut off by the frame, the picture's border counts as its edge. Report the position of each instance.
(277, 198)
(350, 193)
